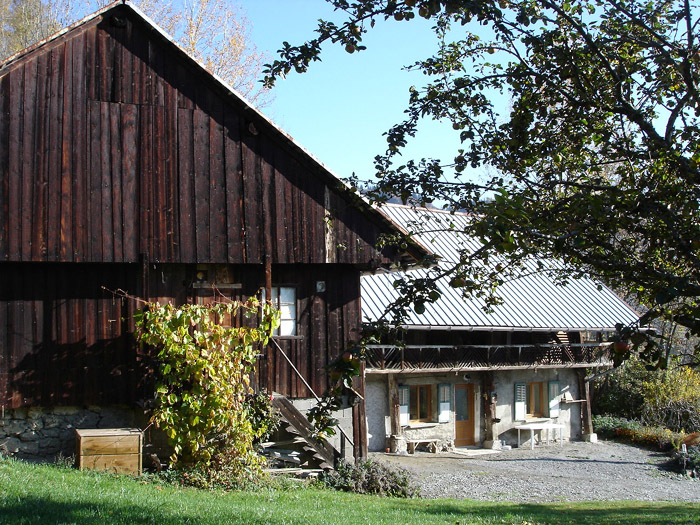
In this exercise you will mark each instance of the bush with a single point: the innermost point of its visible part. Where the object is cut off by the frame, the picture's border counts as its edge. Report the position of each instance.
(218, 475)
(635, 432)
(263, 417)
(672, 400)
(371, 477)
(609, 426)
(620, 393)
(689, 460)
(657, 398)
(201, 384)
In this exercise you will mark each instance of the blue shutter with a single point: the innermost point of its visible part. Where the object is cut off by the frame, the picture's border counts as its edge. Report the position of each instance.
(554, 396)
(444, 402)
(520, 402)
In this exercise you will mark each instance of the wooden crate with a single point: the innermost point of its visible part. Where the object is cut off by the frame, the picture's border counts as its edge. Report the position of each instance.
(114, 449)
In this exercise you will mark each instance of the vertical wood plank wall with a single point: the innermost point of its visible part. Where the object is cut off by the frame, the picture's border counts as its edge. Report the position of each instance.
(64, 340)
(112, 145)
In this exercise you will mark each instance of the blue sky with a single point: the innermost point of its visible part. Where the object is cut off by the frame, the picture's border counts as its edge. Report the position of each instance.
(339, 109)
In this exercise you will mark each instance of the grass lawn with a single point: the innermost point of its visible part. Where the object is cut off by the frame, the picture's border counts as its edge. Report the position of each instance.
(47, 494)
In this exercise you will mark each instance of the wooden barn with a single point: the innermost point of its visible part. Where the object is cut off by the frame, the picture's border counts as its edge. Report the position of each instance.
(124, 164)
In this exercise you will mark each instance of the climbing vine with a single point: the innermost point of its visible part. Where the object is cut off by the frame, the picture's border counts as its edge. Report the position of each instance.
(203, 378)
(341, 373)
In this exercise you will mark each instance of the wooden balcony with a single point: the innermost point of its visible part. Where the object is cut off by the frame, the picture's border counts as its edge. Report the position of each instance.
(439, 358)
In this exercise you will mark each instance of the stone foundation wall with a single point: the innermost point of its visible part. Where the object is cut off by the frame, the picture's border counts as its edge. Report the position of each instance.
(44, 433)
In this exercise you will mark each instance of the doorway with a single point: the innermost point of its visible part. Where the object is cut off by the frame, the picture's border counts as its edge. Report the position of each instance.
(464, 415)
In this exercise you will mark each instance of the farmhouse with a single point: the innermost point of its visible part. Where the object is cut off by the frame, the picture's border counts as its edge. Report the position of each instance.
(466, 377)
(125, 165)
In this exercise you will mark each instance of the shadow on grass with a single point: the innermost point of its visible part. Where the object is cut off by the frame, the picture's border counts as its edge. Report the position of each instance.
(37, 510)
(44, 510)
(633, 513)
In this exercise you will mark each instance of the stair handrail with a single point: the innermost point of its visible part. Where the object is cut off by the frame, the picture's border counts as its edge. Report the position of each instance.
(307, 385)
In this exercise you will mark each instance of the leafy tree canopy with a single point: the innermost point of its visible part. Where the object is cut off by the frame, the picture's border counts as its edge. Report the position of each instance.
(595, 161)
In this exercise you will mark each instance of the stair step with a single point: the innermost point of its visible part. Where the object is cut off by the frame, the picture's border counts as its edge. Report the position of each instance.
(276, 451)
(294, 441)
(300, 426)
(299, 472)
(289, 458)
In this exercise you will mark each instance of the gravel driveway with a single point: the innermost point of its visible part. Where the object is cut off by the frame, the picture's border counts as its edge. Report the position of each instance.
(577, 472)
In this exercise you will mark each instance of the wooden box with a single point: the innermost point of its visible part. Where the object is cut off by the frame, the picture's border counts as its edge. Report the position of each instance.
(113, 449)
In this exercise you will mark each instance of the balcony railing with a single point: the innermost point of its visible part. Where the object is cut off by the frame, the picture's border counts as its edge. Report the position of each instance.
(445, 357)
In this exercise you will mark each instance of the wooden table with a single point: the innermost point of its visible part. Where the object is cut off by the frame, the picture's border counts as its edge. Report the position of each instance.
(541, 426)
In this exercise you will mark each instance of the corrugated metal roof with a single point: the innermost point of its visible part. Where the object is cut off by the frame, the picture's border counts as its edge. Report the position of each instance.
(532, 301)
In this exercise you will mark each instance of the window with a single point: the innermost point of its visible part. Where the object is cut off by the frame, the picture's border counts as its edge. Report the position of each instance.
(284, 298)
(420, 406)
(528, 400)
(416, 403)
(534, 400)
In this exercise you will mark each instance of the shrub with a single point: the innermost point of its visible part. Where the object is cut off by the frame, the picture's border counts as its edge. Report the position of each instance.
(672, 400)
(263, 417)
(202, 380)
(665, 398)
(689, 460)
(635, 432)
(620, 393)
(371, 477)
(610, 426)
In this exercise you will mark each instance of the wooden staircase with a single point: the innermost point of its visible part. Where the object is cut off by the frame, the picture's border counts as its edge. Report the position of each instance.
(552, 338)
(294, 444)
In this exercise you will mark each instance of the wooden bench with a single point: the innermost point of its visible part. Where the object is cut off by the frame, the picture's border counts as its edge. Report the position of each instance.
(432, 444)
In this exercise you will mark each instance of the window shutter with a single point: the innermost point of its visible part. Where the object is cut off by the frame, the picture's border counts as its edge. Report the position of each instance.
(554, 398)
(445, 401)
(404, 398)
(519, 401)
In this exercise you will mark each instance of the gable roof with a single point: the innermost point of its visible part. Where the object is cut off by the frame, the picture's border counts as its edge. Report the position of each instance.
(312, 168)
(531, 302)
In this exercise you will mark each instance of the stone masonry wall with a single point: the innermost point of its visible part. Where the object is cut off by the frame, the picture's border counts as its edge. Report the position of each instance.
(44, 433)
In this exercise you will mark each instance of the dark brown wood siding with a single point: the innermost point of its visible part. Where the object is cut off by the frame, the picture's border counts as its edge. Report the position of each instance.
(66, 341)
(63, 340)
(114, 145)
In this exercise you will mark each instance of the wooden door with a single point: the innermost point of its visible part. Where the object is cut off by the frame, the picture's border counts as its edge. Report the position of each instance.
(464, 415)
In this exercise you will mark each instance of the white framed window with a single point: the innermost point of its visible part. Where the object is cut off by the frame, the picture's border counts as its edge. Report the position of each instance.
(535, 399)
(284, 298)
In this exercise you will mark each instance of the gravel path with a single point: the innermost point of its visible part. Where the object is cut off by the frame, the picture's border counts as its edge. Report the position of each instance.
(577, 472)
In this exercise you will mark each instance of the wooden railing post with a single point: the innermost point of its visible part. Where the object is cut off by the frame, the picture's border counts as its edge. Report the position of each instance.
(585, 392)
